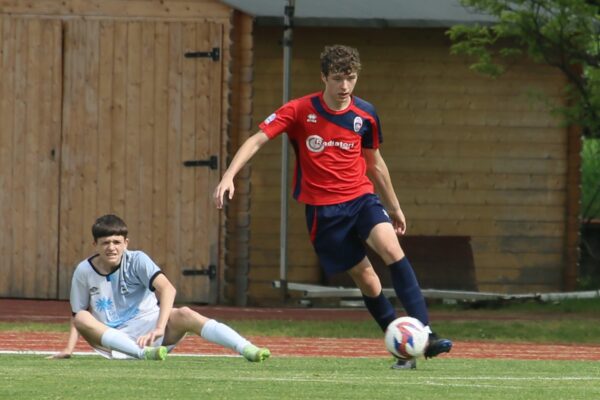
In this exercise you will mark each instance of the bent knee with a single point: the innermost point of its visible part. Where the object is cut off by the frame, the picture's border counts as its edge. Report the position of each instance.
(82, 318)
(186, 313)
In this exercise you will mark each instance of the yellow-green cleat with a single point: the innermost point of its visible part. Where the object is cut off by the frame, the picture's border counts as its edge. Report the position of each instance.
(255, 354)
(155, 353)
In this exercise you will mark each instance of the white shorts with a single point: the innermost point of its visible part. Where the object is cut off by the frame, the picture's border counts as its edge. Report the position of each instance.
(134, 328)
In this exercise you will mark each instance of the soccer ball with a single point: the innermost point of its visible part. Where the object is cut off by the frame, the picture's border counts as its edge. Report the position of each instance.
(406, 338)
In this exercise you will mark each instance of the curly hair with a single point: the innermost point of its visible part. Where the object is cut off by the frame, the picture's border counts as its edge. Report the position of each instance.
(339, 58)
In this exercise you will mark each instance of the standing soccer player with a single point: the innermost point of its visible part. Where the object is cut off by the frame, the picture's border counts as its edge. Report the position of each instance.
(336, 138)
(122, 304)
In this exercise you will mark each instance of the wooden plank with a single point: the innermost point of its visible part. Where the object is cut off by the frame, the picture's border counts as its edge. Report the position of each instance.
(265, 272)
(270, 260)
(419, 212)
(411, 164)
(503, 262)
(89, 136)
(501, 198)
(487, 228)
(456, 180)
(32, 137)
(189, 117)
(489, 134)
(521, 276)
(45, 257)
(516, 288)
(53, 81)
(19, 161)
(160, 139)
(7, 149)
(146, 145)
(119, 120)
(119, 8)
(465, 149)
(483, 228)
(516, 244)
(219, 112)
(73, 244)
(133, 73)
(174, 154)
(105, 115)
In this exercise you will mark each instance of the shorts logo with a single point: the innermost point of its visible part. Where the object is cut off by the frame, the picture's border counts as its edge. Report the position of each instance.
(270, 118)
(358, 123)
(312, 118)
(316, 144)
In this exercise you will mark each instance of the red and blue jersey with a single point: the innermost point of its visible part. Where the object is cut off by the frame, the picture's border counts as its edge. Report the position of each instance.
(328, 144)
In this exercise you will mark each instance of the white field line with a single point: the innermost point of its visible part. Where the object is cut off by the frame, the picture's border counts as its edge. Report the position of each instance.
(93, 353)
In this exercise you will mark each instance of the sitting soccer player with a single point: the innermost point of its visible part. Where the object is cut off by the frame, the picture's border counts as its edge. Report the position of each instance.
(123, 304)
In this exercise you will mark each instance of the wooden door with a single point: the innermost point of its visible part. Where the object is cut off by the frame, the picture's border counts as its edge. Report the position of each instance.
(135, 109)
(30, 120)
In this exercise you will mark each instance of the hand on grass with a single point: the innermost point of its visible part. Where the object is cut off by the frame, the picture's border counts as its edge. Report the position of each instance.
(60, 356)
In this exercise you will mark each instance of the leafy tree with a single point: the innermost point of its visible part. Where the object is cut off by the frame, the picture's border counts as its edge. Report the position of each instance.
(562, 33)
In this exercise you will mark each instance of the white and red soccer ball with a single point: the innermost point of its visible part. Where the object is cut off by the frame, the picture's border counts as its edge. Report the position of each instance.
(406, 338)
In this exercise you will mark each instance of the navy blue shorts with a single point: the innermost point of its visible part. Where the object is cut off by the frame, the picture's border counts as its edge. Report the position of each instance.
(338, 231)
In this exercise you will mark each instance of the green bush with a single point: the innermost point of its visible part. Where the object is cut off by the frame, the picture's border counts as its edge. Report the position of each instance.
(590, 179)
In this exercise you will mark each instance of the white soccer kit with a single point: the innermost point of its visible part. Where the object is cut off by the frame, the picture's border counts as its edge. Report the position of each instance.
(120, 296)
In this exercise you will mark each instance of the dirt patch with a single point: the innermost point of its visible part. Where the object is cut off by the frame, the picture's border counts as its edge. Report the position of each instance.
(320, 347)
(59, 312)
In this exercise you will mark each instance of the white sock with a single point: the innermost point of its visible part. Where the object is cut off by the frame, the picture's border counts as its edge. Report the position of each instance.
(428, 329)
(219, 333)
(115, 340)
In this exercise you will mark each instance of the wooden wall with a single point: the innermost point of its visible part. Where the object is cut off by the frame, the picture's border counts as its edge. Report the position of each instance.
(30, 107)
(235, 227)
(99, 110)
(469, 155)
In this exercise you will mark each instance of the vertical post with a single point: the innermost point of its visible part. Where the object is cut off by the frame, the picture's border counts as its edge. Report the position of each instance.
(287, 61)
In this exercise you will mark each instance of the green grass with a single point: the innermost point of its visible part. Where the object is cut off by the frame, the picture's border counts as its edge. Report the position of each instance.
(91, 377)
(83, 377)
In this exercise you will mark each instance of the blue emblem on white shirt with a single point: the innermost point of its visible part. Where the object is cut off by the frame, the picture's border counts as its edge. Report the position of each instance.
(104, 304)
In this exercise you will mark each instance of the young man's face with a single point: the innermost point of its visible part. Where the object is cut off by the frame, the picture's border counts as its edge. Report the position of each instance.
(110, 249)
(339, 86)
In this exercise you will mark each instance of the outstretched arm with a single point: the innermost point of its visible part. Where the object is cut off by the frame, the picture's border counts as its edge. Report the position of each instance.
(71, 342)
(380, 175)
(245, 153)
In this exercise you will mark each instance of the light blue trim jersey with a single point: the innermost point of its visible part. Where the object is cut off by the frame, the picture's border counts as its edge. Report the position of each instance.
(118, 297)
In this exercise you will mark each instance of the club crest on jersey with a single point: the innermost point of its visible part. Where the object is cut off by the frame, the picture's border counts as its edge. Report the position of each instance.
(312, 118)
(358, 123)
(270, 118)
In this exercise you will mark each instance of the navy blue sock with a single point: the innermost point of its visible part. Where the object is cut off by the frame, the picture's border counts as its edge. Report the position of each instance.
(408, 291)
(381, 309)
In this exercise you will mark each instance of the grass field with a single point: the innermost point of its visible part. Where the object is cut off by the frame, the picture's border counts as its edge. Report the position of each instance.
(90, 377)
(179, 377)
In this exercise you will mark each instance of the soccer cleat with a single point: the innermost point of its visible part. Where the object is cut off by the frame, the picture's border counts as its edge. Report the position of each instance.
(405, 364)
(255, 354)
(437, 346)
(155, 353)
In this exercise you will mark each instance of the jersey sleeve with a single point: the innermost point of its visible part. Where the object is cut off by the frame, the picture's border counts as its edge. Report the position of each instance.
(79, 298)
(372, 137)
(280, 121)
(145, 269)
